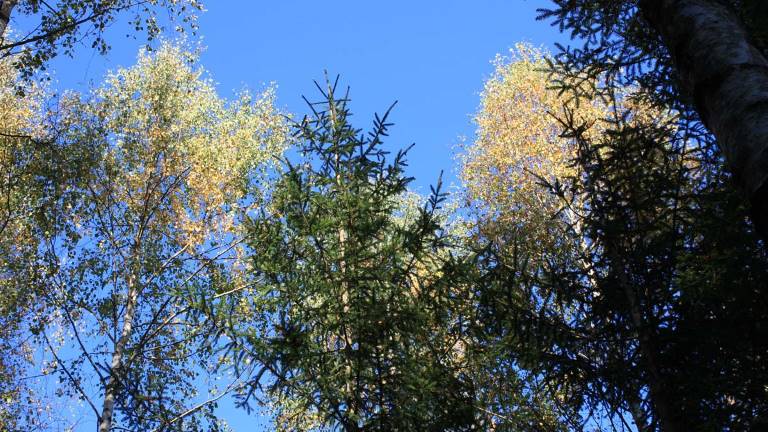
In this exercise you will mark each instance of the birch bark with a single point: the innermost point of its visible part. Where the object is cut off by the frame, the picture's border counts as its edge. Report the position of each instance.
(727, 77)
(6, 7)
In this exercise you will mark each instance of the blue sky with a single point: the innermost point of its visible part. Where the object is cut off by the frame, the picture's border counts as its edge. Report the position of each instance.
(431, 56)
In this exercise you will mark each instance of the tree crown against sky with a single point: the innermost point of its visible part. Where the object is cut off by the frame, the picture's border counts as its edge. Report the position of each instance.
(163, 170)
(353, 318)
(604, 273)
(58, 27)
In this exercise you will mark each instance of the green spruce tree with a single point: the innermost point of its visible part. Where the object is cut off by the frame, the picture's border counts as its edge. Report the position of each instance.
(357, 310)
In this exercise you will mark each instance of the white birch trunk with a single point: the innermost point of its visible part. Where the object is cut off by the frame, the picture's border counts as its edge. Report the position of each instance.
(727, 77)
(113, 383)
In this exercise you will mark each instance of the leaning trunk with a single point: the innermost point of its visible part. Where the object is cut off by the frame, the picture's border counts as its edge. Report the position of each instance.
(115, 376)
(727, 78)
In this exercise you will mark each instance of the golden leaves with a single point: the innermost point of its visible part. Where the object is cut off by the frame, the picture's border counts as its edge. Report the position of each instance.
(517, 142)
(20, 122)
(174, 144)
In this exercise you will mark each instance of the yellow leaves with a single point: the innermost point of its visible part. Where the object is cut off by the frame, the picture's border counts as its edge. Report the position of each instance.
(174, 153)
(19, 114)
(20, 121)
(517, 143)
(293, 415)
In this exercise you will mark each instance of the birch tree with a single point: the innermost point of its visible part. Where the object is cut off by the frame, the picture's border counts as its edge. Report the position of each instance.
(58, 27)
(167, 169)
(704, 57)
(606, 309)
(518, 143)
(22, 181)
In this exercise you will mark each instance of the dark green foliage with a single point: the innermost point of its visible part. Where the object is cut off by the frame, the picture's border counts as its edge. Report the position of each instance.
(358, 297)
(704, 58)
(614, 38)
(656, 319)
(669, 290)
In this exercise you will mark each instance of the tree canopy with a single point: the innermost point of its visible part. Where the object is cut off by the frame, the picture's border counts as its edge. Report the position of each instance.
(163, 169)
(61, 26)
(705, 58)
(165, 248)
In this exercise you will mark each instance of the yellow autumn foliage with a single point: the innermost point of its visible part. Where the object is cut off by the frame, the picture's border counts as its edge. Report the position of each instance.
(20, 122)
(19, 112)
(165, 170)
(168, 129)
(517, 144)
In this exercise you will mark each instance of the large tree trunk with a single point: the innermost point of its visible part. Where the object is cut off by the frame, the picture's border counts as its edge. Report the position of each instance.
(727, 77)
(6, 6)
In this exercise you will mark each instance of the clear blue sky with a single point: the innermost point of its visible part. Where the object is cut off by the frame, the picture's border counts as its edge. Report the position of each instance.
(431, 56)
